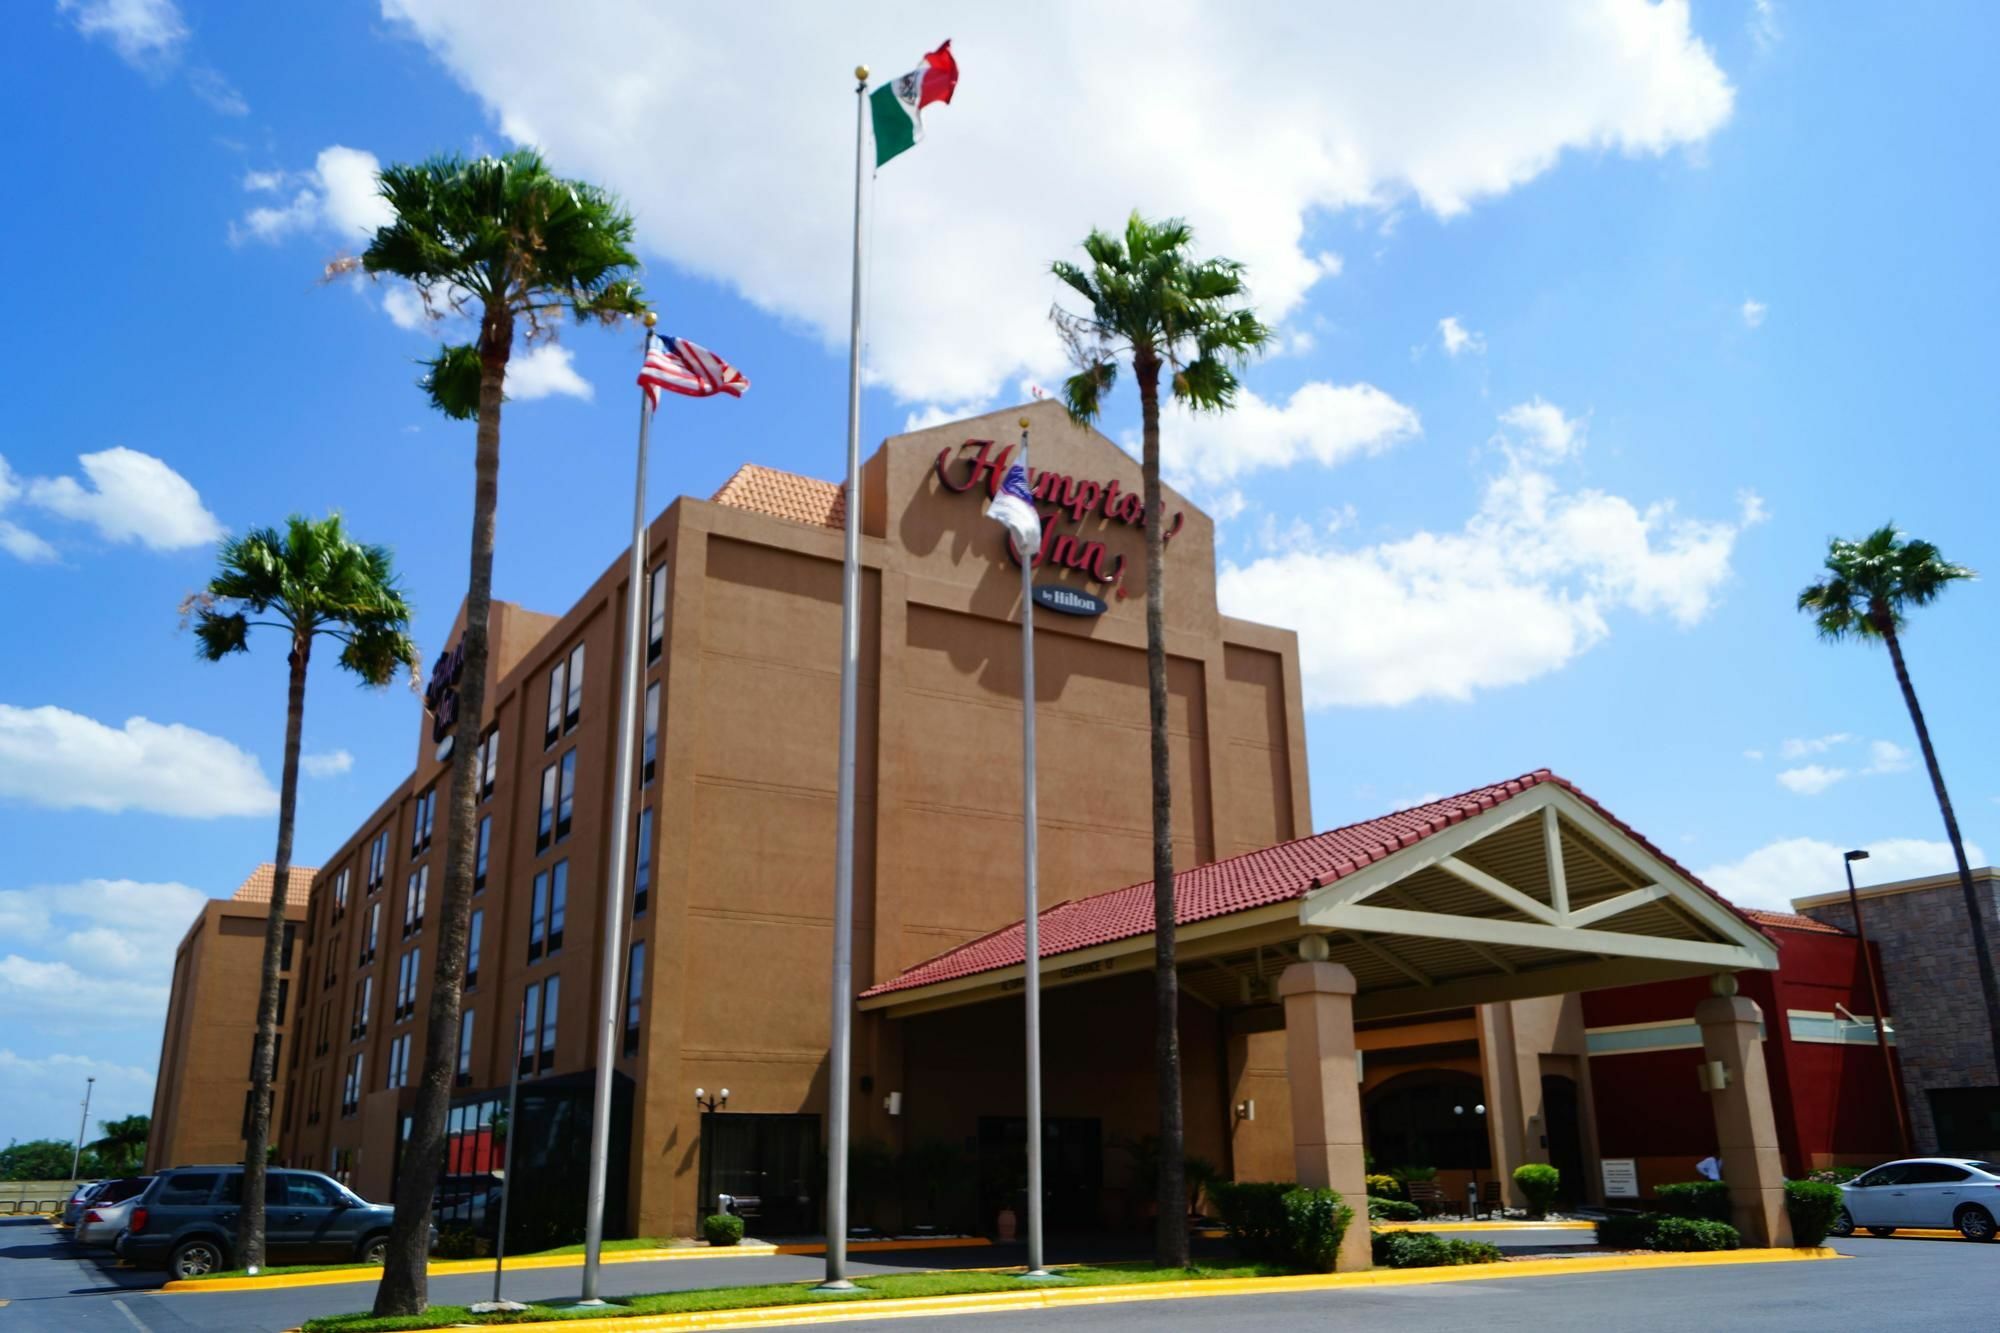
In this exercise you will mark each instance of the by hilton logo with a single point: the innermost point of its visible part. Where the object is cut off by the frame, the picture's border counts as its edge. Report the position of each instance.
(1075, 498)
(441, 695)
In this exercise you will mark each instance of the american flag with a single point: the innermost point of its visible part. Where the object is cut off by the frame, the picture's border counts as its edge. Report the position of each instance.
(679, 366)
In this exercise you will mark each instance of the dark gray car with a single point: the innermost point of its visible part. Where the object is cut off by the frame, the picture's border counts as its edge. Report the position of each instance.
(186, 1221)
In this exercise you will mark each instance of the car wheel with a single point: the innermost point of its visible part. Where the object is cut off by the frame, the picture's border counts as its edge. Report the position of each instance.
(1975, 1223)
(195, 1258)
(374, 1250)
(1843, 1225)
(1881, 1231)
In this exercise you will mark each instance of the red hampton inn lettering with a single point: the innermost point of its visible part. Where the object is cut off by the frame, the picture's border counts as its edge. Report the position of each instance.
(1077, 498)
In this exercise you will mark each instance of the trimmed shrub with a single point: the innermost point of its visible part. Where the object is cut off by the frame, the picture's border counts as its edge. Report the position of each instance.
(1383, 1186)
(1392, 1210)
(1426, 1249)
(1406, 1174)
(1254, 1213)
(1708, 1199)
(722, 1229)
(1626, 1231)
(1693, 1233)
(1812, 1205)
(1315, 1221)
(456, 1240)
(1540, 1183)
(1836, 1175)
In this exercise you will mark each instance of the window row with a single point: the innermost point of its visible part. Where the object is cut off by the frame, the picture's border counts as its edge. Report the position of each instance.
(565, 697)
(538, 1025)
(408, 970)
(422, 820)
(416, 897)
(558, 802)
(548, 905)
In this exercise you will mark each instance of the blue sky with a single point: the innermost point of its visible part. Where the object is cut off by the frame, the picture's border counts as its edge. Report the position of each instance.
(1717, 282)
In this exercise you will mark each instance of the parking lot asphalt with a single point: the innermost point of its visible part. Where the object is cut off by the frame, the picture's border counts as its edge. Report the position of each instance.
(47, 1283)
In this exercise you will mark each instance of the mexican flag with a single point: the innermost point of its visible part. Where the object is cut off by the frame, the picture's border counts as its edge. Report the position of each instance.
(898, 105)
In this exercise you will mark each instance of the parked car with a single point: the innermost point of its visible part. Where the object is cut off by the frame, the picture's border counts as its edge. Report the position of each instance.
(109, 1210)
(186, 1221)
(1934, 1192)
(73, 1210)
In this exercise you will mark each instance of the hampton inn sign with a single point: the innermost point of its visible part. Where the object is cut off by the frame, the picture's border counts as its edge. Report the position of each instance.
(1076, 498)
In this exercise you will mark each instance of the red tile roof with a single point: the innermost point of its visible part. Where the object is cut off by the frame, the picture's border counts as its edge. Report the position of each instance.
(257, 888)
(1791, 921)
(786, 495)
(1287, 871)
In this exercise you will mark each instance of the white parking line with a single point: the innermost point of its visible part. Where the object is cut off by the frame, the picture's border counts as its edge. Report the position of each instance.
(126, 1310)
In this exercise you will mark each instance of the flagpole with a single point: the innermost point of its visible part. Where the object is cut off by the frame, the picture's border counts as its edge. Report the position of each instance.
(1030, 921)
(839, 1055)
(625, 773)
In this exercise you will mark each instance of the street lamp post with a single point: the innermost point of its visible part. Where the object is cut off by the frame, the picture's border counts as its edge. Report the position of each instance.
(1875, 994)
(76, 1158)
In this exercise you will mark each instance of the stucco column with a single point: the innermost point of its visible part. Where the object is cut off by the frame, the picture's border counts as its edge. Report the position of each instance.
(1326, 1090)
(1746, 1129)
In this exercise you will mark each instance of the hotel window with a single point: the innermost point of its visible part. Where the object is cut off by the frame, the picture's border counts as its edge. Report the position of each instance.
(399, 1062)
(350, 1091)
(291, 941)
(558, 698)
(489, 763)
(551, 990)
(369, 935)
(332, 951)
(575, 709)
(538, 916)
(340, 895)
(485, 848)
(566, 798)
(364, 1000)
(474, 930)
(635, 987)
(545, 825)
(422, 820)
(325, 1022)
(465, 1047)
(642, 870)
(651, 752)
(558, 902)
(378, 860)
(284, 998)
(407, 971)
(531, 1017)
(416, 897)
(656, 600)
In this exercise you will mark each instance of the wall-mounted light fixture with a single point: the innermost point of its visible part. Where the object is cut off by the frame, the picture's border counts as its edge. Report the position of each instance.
(707, 1103)
(1247, 1109)
(893, 1103)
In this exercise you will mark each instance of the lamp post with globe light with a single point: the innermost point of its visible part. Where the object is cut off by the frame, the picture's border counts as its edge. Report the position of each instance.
(1875, 994)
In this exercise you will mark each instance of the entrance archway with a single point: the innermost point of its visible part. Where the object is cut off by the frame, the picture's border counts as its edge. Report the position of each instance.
(1429, 1117)
(1562, 1123)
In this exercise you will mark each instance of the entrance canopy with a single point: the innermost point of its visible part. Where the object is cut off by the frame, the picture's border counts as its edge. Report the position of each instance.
(1520, 889)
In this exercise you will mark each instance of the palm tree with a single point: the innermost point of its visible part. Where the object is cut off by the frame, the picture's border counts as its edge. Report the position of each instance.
(309, 580)
(124, 1143)
(507, 241)
(1152, 302)
(1869, 587)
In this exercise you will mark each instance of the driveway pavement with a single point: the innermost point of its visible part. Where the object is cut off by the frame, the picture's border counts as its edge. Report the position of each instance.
(48, 1284)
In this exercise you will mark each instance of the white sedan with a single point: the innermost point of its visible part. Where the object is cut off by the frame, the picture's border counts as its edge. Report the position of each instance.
(1929, 1192)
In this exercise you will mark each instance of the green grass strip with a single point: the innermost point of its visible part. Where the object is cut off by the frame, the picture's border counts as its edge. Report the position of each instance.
(633, 1243)
(887, 1287)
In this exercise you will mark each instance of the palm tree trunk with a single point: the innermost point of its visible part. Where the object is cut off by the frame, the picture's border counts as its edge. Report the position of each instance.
(404, 1288)
(1170, 1240)
(263, 1071)
(1982, 952)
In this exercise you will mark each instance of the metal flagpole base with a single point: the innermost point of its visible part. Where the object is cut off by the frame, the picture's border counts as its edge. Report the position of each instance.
(833, 1288)
(498, 1307)
(584, 1303)
(1041, 1275)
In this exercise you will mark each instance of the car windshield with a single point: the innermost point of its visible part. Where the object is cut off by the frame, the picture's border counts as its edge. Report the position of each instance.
(1989, 1168)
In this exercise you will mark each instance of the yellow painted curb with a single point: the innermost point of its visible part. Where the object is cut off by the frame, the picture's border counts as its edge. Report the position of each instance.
(849, 1309)
(1483, 1226)
(452, 1267)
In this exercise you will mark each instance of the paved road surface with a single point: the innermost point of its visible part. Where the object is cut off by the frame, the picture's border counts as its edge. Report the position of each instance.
(48, 1284)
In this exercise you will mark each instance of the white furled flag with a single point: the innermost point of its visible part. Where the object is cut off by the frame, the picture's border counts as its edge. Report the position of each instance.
(1014, 506)
(679, 366)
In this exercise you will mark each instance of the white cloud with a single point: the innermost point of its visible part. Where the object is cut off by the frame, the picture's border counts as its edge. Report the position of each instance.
(1323, 423)
(405, 307)
(61, 760)
(1457, 338)
(545, 370)
(1753, 313)
(329, 765)
(1887, 757)
(1755, 756)
(144, 33)
(1810, 779)
(218, 92)
(1253, 128)
(1524, 587)
(1789, 868)
(1762, 23)
(1542, 431)
(15, 540)
(338, 195)
(1799, 747)
(131, 497)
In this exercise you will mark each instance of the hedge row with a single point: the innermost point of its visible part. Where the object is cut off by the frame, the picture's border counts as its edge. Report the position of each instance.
(1283, 1224)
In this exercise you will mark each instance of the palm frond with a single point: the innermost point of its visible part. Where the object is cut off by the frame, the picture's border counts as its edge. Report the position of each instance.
(451, 381)
(1871, 584)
